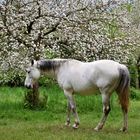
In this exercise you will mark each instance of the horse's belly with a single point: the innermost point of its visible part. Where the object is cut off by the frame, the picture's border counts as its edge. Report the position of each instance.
(89, 91)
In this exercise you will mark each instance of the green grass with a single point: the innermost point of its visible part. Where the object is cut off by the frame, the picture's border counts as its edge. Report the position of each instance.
(17, 123)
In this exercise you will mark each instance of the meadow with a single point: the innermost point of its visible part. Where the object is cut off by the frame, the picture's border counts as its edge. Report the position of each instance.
(18, 123)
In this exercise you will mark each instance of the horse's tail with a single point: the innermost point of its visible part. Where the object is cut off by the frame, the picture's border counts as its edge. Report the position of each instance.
(123, 87)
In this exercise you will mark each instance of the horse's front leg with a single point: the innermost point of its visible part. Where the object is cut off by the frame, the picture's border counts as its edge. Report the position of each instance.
(71, 107)
(68, 114)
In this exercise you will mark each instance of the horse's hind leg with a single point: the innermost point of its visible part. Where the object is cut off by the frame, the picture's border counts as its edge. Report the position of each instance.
(125, 117)
(106, 110)
(124, 105)
(68, 114)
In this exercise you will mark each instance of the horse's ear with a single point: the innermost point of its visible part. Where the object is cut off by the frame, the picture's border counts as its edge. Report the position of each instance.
(32, 62)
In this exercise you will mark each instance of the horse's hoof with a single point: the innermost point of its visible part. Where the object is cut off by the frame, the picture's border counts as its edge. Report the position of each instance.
(124, 129)
(96, 129)
(67, 124)
(75, 126)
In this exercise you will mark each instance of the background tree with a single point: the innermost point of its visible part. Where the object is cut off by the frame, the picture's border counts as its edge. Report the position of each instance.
(83, 29)
(133, 30)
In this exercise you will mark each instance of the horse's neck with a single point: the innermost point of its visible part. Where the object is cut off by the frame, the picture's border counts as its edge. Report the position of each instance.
(53, 73)
(49, 73)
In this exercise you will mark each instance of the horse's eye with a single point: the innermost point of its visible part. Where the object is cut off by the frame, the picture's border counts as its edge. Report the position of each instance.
(28, 71)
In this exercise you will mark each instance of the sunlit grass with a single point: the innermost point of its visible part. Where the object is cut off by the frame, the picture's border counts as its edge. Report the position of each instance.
(17, 123)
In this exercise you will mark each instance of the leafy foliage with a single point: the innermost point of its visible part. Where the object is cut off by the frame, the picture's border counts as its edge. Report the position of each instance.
(135, 94)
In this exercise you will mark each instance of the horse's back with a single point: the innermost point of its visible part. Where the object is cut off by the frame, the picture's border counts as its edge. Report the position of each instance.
(108, 67)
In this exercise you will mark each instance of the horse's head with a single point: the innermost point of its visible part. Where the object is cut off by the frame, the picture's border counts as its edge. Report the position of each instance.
(32, 74)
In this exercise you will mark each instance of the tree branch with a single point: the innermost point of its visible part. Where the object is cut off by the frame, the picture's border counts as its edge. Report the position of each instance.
(30, 25)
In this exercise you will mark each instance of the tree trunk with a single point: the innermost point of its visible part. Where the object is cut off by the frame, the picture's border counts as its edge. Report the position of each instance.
(32, 97)
(138, 77)
(35, 90)
(138, 73)
(35, 95)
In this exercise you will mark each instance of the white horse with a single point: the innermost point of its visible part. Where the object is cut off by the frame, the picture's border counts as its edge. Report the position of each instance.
(76, 77)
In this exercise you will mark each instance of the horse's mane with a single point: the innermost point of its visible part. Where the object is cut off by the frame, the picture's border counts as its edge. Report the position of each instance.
(51, 64)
